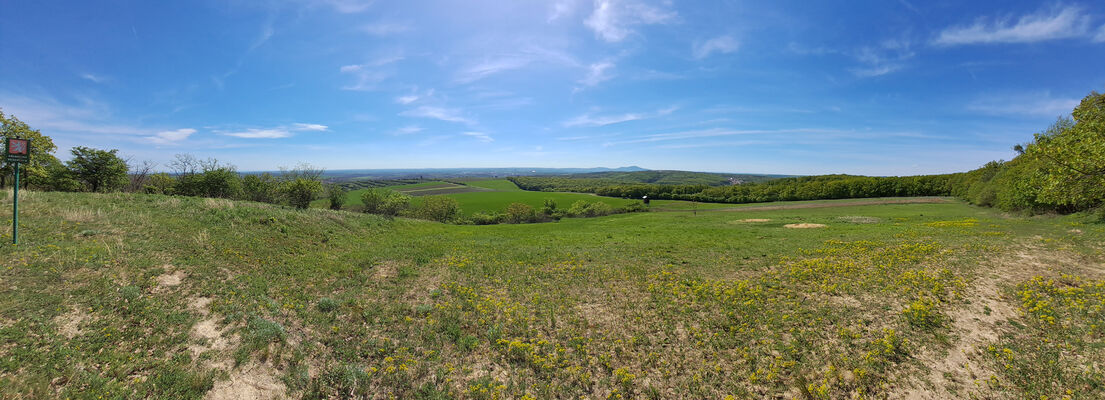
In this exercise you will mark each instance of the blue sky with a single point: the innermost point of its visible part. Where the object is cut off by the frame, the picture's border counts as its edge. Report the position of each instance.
(793, 87)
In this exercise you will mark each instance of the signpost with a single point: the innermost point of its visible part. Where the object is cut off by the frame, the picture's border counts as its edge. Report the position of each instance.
(18, 151)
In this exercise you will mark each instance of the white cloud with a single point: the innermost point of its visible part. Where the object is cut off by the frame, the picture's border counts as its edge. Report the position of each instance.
(275, 132)
(597, 73)
(406, 99)
(1034, 103)
(1100, 34)
(889, 56)
(490, 67)
(170, 137)
(369, 75)
(716, 132)
(562, 8)
(348, 6)
(94, 78)
(1056, 23)
(309, 127)
(384, 28)
(589, 120)
(408, 130)
(722, 44)
(444, 114)
(483, 137)
(612, 20)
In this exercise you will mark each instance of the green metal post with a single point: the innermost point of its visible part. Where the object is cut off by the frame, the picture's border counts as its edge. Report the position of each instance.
(15, 208)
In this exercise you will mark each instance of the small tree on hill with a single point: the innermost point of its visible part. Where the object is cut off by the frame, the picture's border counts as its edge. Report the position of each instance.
(42, 149)
(439, 208)
(301, 191)
(99, 170)
(384, 202)
(337, 197)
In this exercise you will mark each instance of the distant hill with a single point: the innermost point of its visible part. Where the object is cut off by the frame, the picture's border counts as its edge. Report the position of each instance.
(448, 173)
(662, 177)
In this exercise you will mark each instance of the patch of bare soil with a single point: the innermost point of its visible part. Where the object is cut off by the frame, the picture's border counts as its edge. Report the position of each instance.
(858, 219)
(756, 220)
(865, 202)
(69, 324)
(384, 271)
(962, 372)
(169, 279)
(804, 226)
(208, 336)
(250, 382)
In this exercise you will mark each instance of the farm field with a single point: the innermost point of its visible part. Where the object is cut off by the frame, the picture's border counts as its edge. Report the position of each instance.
(124, 296)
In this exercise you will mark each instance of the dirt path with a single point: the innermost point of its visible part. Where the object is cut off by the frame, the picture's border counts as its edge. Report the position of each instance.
(845, 203)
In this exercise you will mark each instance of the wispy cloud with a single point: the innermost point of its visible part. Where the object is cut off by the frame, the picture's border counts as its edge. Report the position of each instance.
(438, 113)
(407, 130)
(722, 44)
(889, 56)
(1100, 34)
(170, 137)
(368, 75)
(483, 137)
(562, 8)
(94, 78)
(275, 132)
(490, 67)
(1047, 24)
(348, 6)
(384, 28)
(716, 132)
(309, 127)
(589, 120)
(597, 73)
(613, 20)
(1040, 104)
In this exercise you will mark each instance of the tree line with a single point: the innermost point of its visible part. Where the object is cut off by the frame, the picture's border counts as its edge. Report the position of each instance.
(1061, 170)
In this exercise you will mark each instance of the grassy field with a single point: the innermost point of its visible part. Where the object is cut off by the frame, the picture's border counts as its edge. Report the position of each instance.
(473, 202)
(127, 296)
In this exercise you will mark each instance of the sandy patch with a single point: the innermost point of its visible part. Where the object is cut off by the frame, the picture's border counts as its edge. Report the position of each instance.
(384, 271)
(169, 279)
(858, 219)
(756, 220)
(69, 324)
(804, 226)
(250, 382)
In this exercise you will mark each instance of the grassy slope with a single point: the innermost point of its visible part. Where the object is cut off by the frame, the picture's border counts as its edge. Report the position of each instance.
(473, 202)
(654, 305)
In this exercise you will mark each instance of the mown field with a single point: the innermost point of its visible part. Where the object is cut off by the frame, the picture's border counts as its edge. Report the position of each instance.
(486, 195)
(127, 296)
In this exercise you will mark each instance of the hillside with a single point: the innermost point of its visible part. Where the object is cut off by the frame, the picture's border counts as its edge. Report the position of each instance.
(128, 296)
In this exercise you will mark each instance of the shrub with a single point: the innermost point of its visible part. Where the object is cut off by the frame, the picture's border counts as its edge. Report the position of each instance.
(482, 218)
(337, 197)
(517, 213)
(161, 183)
(301, 191)
(438, 208)
(584, 209)
(219, 182)
(385, 202)
(327, 304)
(262, 188)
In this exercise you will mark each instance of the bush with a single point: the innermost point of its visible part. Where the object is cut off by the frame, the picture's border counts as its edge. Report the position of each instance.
(584, 209)
(58, 178)
(161, 183)
(517, 213)
(385, 202)
(301, 191)
(438, 208)
(262, 188)
(218, 182)
(482, 218)
(337, 197)
(327, 304)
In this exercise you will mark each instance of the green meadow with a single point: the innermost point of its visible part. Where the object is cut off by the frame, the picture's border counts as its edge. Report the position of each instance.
(127, 296)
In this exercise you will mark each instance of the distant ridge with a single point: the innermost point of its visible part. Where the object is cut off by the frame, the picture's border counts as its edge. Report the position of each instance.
(446, 173)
